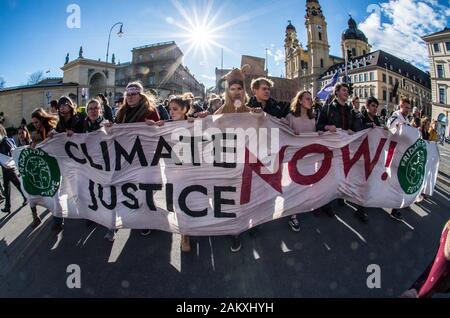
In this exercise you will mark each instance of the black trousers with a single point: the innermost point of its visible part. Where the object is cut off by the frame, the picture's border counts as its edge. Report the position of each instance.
(10, 176)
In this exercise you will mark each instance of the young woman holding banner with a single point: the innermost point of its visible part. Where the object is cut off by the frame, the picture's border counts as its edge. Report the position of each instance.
(179, 108)
(301, 119)
(44, 124)
(138, 107)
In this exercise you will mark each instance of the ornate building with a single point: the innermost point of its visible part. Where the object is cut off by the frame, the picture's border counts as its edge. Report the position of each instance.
(307, 65)
(377, 74)
(158, 66)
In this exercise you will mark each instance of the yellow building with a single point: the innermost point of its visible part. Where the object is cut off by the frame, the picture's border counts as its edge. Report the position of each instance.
(306, 65)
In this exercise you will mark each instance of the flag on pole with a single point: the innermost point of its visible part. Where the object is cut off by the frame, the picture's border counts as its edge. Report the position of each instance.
(328, 89)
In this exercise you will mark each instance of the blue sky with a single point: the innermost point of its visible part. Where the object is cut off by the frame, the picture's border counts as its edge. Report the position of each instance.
(35, 36)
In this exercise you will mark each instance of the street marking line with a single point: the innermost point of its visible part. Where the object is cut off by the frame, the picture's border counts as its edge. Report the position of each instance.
(212, 254)
(352, 229)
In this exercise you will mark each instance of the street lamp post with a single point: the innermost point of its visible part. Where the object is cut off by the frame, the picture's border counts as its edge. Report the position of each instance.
(119, 34)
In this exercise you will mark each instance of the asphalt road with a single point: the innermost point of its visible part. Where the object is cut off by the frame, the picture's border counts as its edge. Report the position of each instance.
(329, 257)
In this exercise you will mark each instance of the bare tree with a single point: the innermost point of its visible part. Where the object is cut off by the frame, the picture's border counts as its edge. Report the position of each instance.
(2, 82)
(35, 77)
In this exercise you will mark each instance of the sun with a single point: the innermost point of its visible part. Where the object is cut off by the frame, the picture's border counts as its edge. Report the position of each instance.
(198, 28)
(201, 36)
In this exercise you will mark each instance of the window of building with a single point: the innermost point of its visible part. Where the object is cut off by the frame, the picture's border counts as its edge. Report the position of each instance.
(365, 93)
(372, 76)
(320, 36)
(436, 47)
(384, 95)
(384, 78)
(364, 52)
(140, 57)
(360, 77)
(353, 52)
(391, 82)
(440, 71)
(355, 80)
(390, 97)
(371, 91)
(447, 46)
(365, 77)
(442, 94)
(151, 79)
(321, 61)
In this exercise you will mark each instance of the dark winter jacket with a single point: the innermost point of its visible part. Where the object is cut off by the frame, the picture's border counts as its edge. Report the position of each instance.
(335, 114)
(75, 123)
(274, 108)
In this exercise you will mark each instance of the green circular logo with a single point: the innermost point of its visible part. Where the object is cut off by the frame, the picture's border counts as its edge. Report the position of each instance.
(40, 172)
(411, 170)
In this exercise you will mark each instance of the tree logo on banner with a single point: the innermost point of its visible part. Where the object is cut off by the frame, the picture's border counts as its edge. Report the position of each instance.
(40, 172)
(411, 170)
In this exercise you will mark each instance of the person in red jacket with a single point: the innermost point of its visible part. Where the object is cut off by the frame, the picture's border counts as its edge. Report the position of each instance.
(436, 278)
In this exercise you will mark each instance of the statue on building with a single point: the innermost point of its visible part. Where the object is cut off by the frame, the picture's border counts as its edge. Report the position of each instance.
(67, 59)
(113, 60)
(80, 53)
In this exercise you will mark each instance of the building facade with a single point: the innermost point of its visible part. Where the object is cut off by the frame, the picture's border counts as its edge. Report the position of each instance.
(385, 77)
(158, 66)
(439, 57)
(284, 89)
(377, 74)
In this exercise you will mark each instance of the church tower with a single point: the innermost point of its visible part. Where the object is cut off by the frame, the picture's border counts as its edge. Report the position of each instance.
(318, 47)
(291, 45)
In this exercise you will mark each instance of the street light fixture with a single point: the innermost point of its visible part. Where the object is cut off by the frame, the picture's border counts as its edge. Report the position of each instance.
(119, 34)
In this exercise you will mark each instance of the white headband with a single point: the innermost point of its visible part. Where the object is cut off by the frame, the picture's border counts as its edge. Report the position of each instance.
(134, 89)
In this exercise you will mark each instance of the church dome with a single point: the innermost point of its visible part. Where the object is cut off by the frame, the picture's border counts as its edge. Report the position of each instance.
(290, 27)
(353, 33)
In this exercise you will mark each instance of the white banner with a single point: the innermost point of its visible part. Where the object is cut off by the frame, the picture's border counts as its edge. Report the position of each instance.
(227, 174)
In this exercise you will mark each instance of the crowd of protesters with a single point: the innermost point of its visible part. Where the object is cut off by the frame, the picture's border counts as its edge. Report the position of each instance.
(304, 114)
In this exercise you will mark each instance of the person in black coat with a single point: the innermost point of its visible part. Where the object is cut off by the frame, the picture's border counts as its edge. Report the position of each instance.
(261, 89)
(337, 114)
(356, 115)
(107, 110)
(69, 120)
(368, 120)
(7, 145)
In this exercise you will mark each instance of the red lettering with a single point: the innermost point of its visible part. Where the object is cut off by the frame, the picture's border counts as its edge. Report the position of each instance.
(273, 179)
(363, 150)
(297, 177)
